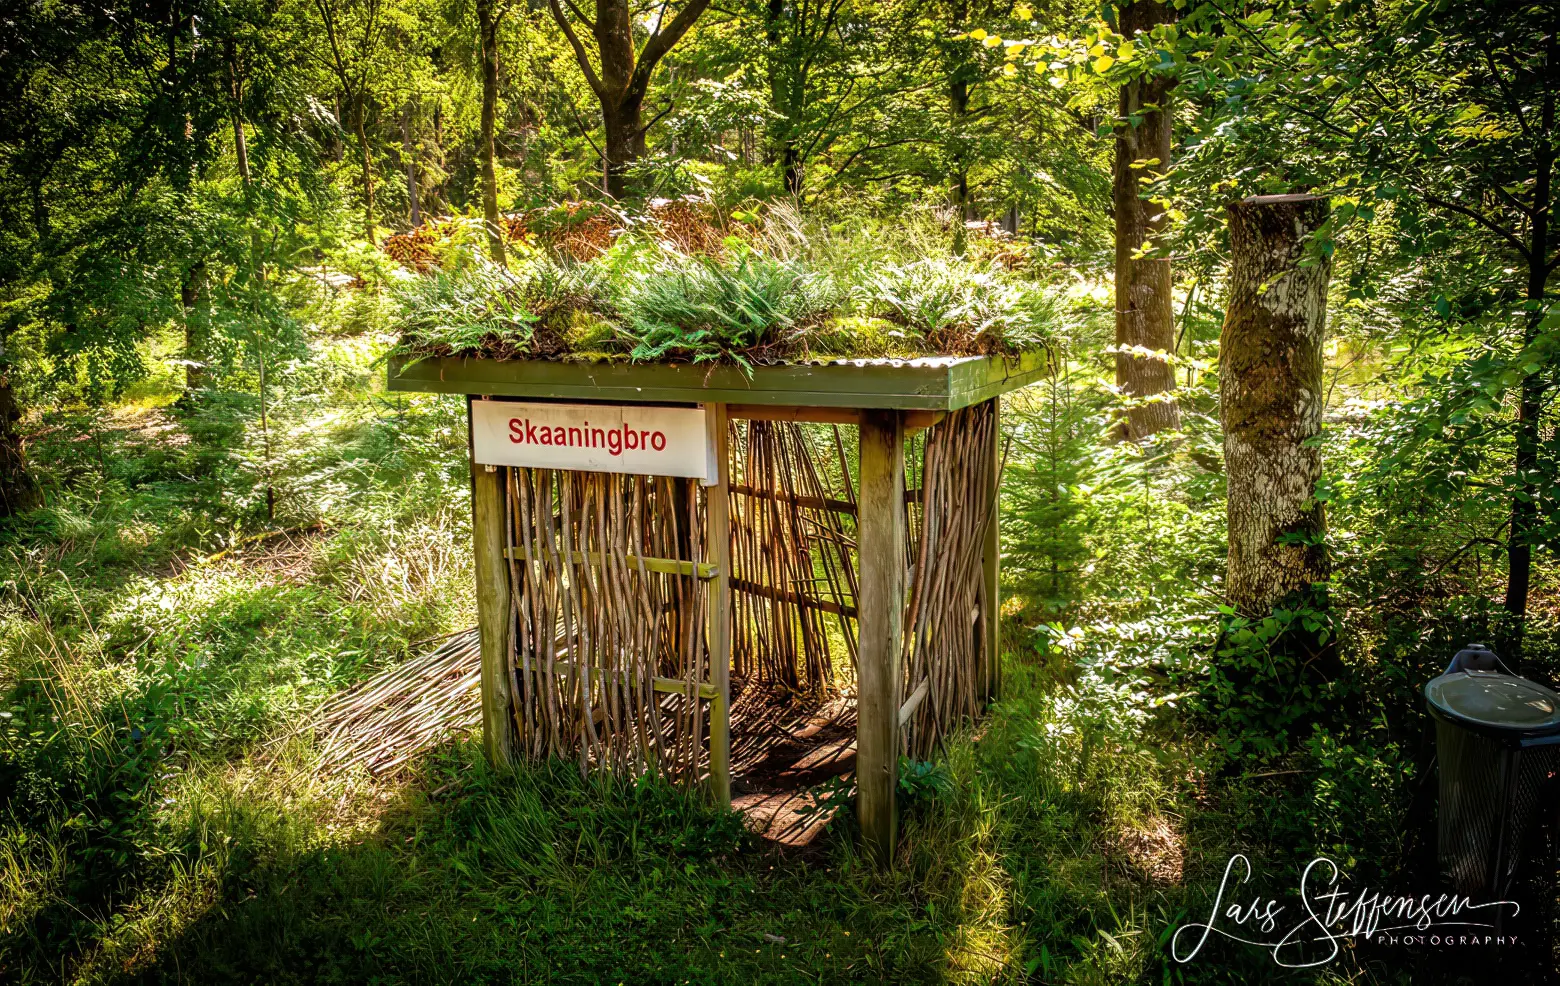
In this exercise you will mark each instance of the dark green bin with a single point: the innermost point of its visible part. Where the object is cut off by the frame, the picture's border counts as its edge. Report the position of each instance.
(1498, 743)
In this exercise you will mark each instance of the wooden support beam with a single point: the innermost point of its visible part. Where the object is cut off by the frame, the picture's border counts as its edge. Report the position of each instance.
(717, 547)
(665, 566)
(493, 608)
(794, 412)
(921, 420)
(880, 536)
(815, 503)
(913, 420)
(794, 598)
(991, 563)
(672, 686)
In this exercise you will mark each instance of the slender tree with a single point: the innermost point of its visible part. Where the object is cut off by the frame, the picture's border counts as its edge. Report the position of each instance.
(352, 38)
(409, 155)
(489, 14)
(1145, 320)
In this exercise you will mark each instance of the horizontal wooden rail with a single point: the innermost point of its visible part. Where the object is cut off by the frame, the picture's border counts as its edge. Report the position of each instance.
(816, 503)
(794, 412)
(795, 598)
(913, 702)
(915, 420)
(674, 686)
(665, 566)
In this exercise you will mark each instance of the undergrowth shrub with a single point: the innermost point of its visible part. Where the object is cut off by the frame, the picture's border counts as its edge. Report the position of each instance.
(730, 307)
(466, 305)
(956, 307)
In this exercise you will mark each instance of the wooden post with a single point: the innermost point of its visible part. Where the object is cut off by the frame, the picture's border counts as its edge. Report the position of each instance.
(880, 538)
(493, 606)
(991, 561)
(717, 546)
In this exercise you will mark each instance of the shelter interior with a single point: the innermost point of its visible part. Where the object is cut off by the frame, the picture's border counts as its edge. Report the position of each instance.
(638, 642)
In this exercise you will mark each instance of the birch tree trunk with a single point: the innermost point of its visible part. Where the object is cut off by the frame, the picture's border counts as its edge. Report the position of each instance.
(236, 93)
(1270, 399)
(1145, 319)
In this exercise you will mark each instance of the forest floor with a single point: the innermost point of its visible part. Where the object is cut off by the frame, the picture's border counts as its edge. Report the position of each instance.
(159, 630)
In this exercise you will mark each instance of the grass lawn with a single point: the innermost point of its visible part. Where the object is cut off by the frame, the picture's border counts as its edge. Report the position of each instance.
(159, 630)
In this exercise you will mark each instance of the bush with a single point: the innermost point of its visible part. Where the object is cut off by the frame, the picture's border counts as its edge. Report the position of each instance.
(958, 308)
(734, 307)
(470, 304)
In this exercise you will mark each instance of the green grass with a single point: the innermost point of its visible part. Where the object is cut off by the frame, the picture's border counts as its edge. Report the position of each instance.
(159, 630)
(161, 625)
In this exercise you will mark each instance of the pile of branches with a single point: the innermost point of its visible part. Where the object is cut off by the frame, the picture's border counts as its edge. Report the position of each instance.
(382, 723)
(581, 231)
(418, 248)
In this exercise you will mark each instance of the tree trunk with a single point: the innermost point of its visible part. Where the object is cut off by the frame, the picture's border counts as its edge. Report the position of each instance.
(18, 490)
(1270, 398)
(191, 294)
(1144, 317)
(626, 69)
(1524, 504)
(409, 152)
(487, 25)
(438, 194)
(361, 110)
(958, 109)
(625, 141)
(236, 92)
(784, 96)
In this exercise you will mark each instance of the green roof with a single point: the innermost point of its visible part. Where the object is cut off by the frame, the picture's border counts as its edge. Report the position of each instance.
(935, 383)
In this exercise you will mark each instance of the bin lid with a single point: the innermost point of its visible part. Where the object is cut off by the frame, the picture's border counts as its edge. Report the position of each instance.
(1493, 700)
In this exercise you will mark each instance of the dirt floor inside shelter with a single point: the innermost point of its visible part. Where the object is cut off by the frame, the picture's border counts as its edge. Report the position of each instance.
(783, 749)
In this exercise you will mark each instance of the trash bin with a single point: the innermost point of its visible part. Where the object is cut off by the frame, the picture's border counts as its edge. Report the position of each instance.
(1498, 743)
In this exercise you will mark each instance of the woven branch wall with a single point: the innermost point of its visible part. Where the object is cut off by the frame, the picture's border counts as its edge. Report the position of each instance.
(792, 558)
(594, 625)
(945, 642)
(609, 610)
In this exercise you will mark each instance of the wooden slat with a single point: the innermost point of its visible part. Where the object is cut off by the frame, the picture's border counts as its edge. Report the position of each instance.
(717, 541)
(794, 598)
(914, 702)
(816, 503)
(915, 420)
(673, 686)
(880, 536)
(794, 412)
(665, 566)
(491, 572)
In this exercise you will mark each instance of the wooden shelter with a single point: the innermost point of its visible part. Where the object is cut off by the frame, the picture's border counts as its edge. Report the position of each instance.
(621, 614)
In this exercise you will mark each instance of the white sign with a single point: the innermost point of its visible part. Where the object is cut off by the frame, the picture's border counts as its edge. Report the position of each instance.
(631, 438)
